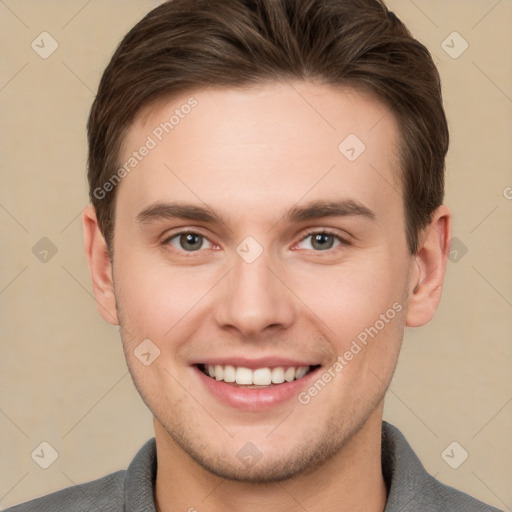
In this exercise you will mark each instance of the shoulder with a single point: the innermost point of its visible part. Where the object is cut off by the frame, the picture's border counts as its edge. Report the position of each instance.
(411, 488)
(105, 494)
(122, 491)
(456, 501)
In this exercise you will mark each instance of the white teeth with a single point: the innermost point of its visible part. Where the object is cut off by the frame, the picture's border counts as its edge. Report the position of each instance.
(278, 375)
(289, 374)
(301, 372)
(259, 377)
(219, 372)
(262, 377)
(243, 376)
(229, 373)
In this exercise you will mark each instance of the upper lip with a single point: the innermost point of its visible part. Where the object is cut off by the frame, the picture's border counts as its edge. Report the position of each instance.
(262, 362)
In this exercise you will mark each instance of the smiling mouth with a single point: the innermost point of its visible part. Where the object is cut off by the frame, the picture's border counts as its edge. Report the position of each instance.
(258, 378)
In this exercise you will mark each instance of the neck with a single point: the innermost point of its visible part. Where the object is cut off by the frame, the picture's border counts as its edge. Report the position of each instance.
(351, 480)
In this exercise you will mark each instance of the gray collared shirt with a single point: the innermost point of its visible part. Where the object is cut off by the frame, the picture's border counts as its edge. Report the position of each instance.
(411, 488)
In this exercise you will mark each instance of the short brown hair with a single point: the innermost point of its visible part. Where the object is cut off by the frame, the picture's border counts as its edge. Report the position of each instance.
(187, 44)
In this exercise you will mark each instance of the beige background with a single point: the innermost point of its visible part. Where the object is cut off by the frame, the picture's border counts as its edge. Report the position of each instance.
(63, 374)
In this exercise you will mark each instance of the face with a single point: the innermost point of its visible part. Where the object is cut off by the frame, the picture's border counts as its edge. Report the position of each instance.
(254, 242)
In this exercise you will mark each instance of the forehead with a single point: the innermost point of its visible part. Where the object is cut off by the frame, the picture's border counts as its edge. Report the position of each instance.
(263, 145)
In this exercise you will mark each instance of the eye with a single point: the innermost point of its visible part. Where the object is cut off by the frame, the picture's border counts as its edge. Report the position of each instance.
(188, 241)
(322, 241)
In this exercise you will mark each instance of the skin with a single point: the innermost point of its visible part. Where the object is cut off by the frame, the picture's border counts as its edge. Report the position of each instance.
(252, 155)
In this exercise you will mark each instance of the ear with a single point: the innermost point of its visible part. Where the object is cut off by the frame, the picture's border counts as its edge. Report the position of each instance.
(427, 281)
(100, 266)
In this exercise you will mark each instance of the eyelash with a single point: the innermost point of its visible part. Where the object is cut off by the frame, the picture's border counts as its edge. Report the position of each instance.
(343, 242)
(313, 231)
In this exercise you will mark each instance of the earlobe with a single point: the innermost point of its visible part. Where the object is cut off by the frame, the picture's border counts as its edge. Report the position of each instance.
(100, 266)
(431, 260)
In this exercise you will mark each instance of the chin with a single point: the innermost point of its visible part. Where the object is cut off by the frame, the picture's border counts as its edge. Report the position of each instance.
(245, 462)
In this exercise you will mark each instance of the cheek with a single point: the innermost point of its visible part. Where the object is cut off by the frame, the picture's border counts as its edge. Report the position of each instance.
(155, 298)
(353, 295)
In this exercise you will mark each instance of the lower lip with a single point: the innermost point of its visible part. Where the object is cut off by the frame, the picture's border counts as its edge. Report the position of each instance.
(254, 399)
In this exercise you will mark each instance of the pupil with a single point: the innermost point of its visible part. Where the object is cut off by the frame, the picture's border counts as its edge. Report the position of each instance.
(190, 241)
(321, 241)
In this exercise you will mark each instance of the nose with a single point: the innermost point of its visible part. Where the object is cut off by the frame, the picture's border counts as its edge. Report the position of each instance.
(255, 298)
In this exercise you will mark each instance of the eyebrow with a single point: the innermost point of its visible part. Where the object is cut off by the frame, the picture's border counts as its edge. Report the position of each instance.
(321, 209)
(310, 211)
(162, 211)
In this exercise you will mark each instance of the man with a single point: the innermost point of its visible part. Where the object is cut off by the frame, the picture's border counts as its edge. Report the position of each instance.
(266, 180)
